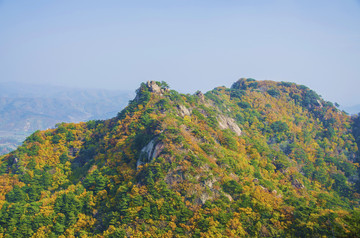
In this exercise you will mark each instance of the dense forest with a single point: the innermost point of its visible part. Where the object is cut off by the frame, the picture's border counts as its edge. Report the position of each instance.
(259, 159)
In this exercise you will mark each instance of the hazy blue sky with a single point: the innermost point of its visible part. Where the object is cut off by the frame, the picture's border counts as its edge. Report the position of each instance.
(191, 44)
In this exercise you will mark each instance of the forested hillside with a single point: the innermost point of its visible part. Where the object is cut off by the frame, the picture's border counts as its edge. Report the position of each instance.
(259, 159)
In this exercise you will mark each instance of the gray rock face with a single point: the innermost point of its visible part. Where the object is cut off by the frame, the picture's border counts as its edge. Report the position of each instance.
(296, 183)
(149, 152)
(209, 183)
(320, 104)
(204, 197)
(200, 95)
(184, 111)
(229, 197)
(153, 87)
(229, 123)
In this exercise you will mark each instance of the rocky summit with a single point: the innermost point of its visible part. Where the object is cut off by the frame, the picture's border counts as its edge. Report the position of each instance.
(259, 159)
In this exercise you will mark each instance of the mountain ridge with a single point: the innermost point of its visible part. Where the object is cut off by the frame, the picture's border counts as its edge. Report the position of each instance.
(258, 159)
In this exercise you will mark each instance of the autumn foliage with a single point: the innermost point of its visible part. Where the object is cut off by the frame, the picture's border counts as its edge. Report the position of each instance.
(174, 165)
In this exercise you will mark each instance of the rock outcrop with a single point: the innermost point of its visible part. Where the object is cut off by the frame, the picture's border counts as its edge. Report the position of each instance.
(200, 95)
(153, 87)
(296, 183)
(229, 123)
(184, 111)
(149, 152)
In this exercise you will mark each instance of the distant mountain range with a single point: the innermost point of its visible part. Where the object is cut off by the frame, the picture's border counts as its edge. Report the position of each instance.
(25, 108)
(353, 109)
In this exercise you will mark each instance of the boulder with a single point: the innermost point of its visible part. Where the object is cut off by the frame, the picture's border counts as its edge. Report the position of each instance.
(149, 152)
(229, 123)
(153, 87)
(184, 111)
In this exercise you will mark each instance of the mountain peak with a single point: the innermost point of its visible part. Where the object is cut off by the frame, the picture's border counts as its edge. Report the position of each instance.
(259, 159)
(155, 87)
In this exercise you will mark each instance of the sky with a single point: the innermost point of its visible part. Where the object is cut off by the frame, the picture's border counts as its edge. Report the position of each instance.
(191, 44)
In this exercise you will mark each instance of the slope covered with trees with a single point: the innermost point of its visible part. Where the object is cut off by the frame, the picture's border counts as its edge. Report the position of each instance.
(259, 159)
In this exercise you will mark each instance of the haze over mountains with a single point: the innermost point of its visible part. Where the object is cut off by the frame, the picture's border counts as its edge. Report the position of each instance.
(237, 158)
(25, 108)
(355, 109)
